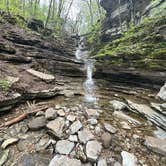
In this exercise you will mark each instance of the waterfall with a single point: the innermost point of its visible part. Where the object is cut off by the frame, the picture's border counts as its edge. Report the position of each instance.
(89, 86)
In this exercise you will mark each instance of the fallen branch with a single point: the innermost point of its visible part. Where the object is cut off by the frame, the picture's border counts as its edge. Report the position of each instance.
(22, 117)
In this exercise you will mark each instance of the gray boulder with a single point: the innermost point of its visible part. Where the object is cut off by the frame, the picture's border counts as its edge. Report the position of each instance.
(162, 93)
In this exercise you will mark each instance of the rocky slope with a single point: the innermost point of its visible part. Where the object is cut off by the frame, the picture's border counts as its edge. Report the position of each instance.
(21, 51)
(132, 43)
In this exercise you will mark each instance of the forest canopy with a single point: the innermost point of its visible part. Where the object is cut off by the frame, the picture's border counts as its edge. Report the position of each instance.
(72, 16)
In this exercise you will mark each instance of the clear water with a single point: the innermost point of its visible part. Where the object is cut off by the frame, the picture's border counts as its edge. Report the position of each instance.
(88, 85)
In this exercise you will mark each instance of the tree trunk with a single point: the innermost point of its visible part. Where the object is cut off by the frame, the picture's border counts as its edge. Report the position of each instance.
(60, 6)
(23, 7)
(99, 7)
(7, 6)
(120, 21)
(68, 11)
(89, 3)
(37, 2)
(49, 12)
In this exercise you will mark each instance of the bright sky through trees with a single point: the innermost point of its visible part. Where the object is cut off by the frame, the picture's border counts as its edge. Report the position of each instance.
(73, 16)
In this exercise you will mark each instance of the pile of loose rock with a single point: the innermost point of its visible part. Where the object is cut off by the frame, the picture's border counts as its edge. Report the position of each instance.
(76, 133)
(76, 136)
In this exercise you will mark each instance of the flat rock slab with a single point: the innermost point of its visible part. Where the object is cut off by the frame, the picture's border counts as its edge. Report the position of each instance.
(64, 161)
(92, 121)
(158, 107)
(42, 94)
(92, 113)
(7, 102)
(68, 93)
(71, 118)
(57, 127)
(8, 142)
(85, 135)
(73, 138)
(117, 105)
(61, 112)
(64, 147)
(123, 116)
(12, 80)
(50, 114)
(156, 144)
(43, 76)
(162, 93)
(77, 125)
(110, 128)
(102, 162)
(125, 125)
(149, 113)
(129, 159)
(93, 150)
(37, 123)
(4, 157)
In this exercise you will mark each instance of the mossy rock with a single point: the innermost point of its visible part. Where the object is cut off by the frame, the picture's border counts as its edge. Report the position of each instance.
(5, 85)
(142, 46)
(159, 54)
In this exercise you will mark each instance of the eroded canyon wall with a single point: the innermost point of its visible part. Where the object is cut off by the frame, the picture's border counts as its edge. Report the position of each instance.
(120, 14)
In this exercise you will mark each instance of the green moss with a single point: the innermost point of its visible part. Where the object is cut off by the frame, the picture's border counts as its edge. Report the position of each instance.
(139, 46)
(159, 54)
(5, 85)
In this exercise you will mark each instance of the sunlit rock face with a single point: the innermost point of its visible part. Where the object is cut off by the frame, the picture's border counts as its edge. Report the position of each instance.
(121, 13)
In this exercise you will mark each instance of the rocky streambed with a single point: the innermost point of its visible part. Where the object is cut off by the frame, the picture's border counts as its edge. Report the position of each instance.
(125, 127)
(45, 121)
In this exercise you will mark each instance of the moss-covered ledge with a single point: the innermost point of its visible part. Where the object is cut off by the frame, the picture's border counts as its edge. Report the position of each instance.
(143, 46)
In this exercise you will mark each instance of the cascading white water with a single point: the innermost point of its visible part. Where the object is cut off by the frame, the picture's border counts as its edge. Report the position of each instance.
(88, 85)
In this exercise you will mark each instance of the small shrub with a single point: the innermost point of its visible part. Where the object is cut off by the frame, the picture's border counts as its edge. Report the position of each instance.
(5, 85)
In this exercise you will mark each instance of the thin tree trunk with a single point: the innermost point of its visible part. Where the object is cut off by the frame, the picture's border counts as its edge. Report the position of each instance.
(53, 9)
(7, 6)
(68, 11)
(49, 12)
(60, 6)
(132, 11)
(89, 3)
(37, 2)
(23, 7)
(99, 7)
(31, 7)
(120, 21)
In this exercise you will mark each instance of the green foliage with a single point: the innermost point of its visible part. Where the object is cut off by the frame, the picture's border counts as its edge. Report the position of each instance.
(5, 85)
(141, 46)
(94, 38)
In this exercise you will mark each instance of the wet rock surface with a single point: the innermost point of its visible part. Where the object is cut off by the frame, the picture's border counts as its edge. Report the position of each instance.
(68, 138)
(157, 145)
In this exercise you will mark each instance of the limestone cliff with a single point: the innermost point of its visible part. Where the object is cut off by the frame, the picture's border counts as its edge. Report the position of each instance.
(27, 59)
(120, 14)
(132, 42)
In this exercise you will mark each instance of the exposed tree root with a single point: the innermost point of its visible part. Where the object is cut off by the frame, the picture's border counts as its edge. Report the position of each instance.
(22, 117)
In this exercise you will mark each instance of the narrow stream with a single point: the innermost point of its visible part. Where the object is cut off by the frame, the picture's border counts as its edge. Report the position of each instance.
(89, 86)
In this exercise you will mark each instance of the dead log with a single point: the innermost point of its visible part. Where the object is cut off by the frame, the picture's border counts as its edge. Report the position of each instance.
(22, 117)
